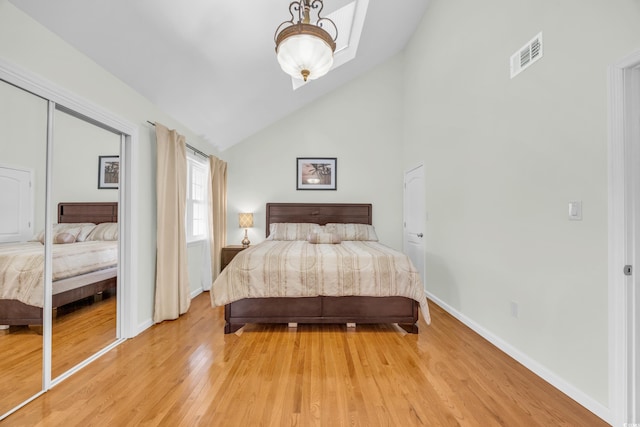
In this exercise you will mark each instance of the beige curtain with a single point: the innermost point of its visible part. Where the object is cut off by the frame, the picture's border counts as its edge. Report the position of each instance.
(172, 282)
(218, 211)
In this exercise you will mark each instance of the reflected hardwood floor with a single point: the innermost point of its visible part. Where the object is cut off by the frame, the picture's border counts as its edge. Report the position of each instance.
(187, 372)
(78, 331)
(20, 365)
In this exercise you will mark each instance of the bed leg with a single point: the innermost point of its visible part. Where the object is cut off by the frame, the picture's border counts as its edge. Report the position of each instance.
(292, 325)
(230, 328)
(351, 326)
(411, 328)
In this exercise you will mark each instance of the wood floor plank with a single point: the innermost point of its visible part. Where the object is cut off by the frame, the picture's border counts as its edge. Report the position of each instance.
(187, 373)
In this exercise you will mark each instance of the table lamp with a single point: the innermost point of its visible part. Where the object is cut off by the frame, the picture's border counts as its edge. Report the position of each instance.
(245, 220)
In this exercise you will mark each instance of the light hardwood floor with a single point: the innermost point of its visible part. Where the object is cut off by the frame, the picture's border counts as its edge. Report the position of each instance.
(186, 373)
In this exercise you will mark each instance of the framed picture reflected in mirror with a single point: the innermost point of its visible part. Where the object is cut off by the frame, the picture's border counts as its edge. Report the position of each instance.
(108, 172)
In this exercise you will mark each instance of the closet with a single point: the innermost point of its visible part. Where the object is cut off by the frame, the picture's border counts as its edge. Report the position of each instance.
(52, 149)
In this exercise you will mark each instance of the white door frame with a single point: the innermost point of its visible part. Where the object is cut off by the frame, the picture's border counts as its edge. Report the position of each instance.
(624, 171)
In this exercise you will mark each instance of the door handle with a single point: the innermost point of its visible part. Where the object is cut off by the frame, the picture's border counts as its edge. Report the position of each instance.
(420, 234)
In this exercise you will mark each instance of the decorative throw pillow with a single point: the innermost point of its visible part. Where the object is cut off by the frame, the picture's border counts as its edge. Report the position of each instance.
(324, 237)
(292, 230)
(363, 232)
(62, 238)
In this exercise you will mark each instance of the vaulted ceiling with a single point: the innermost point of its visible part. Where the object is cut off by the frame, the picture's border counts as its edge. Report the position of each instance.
(211, 64)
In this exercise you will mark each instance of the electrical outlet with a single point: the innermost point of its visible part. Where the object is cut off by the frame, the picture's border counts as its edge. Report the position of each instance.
(514, 309)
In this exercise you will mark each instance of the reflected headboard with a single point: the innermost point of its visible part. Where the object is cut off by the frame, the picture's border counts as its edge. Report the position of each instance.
(319, 213)
(96, 212)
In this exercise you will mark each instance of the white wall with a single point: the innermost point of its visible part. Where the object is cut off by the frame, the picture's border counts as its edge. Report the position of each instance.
(502, 160)
(77, 147)
(196, 253)
(360, 125)
(23, 140)
(28, 45)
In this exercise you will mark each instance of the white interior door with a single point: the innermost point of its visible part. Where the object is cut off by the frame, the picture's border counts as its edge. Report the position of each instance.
(16, 211)
(414, 217)
(624, 240)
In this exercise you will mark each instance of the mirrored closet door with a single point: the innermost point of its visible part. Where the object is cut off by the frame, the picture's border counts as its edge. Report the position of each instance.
(23, 153)
(61, 252)
(85, 264)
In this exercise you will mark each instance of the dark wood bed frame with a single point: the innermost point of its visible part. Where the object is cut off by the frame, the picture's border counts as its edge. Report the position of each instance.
(13, 312)
(322, 309)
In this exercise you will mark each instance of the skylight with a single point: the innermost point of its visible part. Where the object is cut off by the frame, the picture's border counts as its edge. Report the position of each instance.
(350, 20)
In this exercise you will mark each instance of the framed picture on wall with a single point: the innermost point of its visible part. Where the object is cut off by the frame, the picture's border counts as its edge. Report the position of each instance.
(108, 172)
(316, 173)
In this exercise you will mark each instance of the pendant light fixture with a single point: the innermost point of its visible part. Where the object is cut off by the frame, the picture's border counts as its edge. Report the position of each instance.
(305, 49)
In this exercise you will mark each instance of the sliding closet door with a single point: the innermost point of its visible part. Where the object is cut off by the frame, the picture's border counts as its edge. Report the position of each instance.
(85, 169)
(23, 139)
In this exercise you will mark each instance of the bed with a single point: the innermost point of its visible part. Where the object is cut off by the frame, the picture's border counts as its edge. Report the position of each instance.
(323, 308)
(96, 273)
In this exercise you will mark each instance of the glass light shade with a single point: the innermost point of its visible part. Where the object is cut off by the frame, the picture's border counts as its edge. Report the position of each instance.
(245, 220)
(305, 52)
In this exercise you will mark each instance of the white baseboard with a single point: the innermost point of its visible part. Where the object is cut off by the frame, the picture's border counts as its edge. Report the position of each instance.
(149, 322)
(144, 326)
(589, 403)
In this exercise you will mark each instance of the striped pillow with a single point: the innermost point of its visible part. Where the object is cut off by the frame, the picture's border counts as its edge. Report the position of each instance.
(79, 230)
(104, 231)
(363, 232)
(292, 230)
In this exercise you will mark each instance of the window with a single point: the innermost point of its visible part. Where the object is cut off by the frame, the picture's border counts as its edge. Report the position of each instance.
(197, 198)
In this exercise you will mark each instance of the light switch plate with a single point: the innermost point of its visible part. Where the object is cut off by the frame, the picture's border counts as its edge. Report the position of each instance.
(575, 210)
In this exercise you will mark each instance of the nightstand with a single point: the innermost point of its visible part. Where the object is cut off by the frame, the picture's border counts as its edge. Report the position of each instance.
(228, 253)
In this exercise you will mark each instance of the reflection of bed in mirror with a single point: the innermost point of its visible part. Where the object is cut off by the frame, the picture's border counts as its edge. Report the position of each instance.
(82, 268)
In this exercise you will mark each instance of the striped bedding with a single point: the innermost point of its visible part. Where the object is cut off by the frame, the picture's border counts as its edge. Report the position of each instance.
(22, 266)
(276, 268)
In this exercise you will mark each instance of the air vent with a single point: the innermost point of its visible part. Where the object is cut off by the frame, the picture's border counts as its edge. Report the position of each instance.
(526, 55)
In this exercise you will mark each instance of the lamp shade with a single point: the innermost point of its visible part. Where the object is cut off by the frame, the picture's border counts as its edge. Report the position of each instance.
(305, 51)
(245, 220)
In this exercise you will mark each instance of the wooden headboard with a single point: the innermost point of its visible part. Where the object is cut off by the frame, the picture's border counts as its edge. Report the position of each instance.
(319, 213)
(96, 212)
